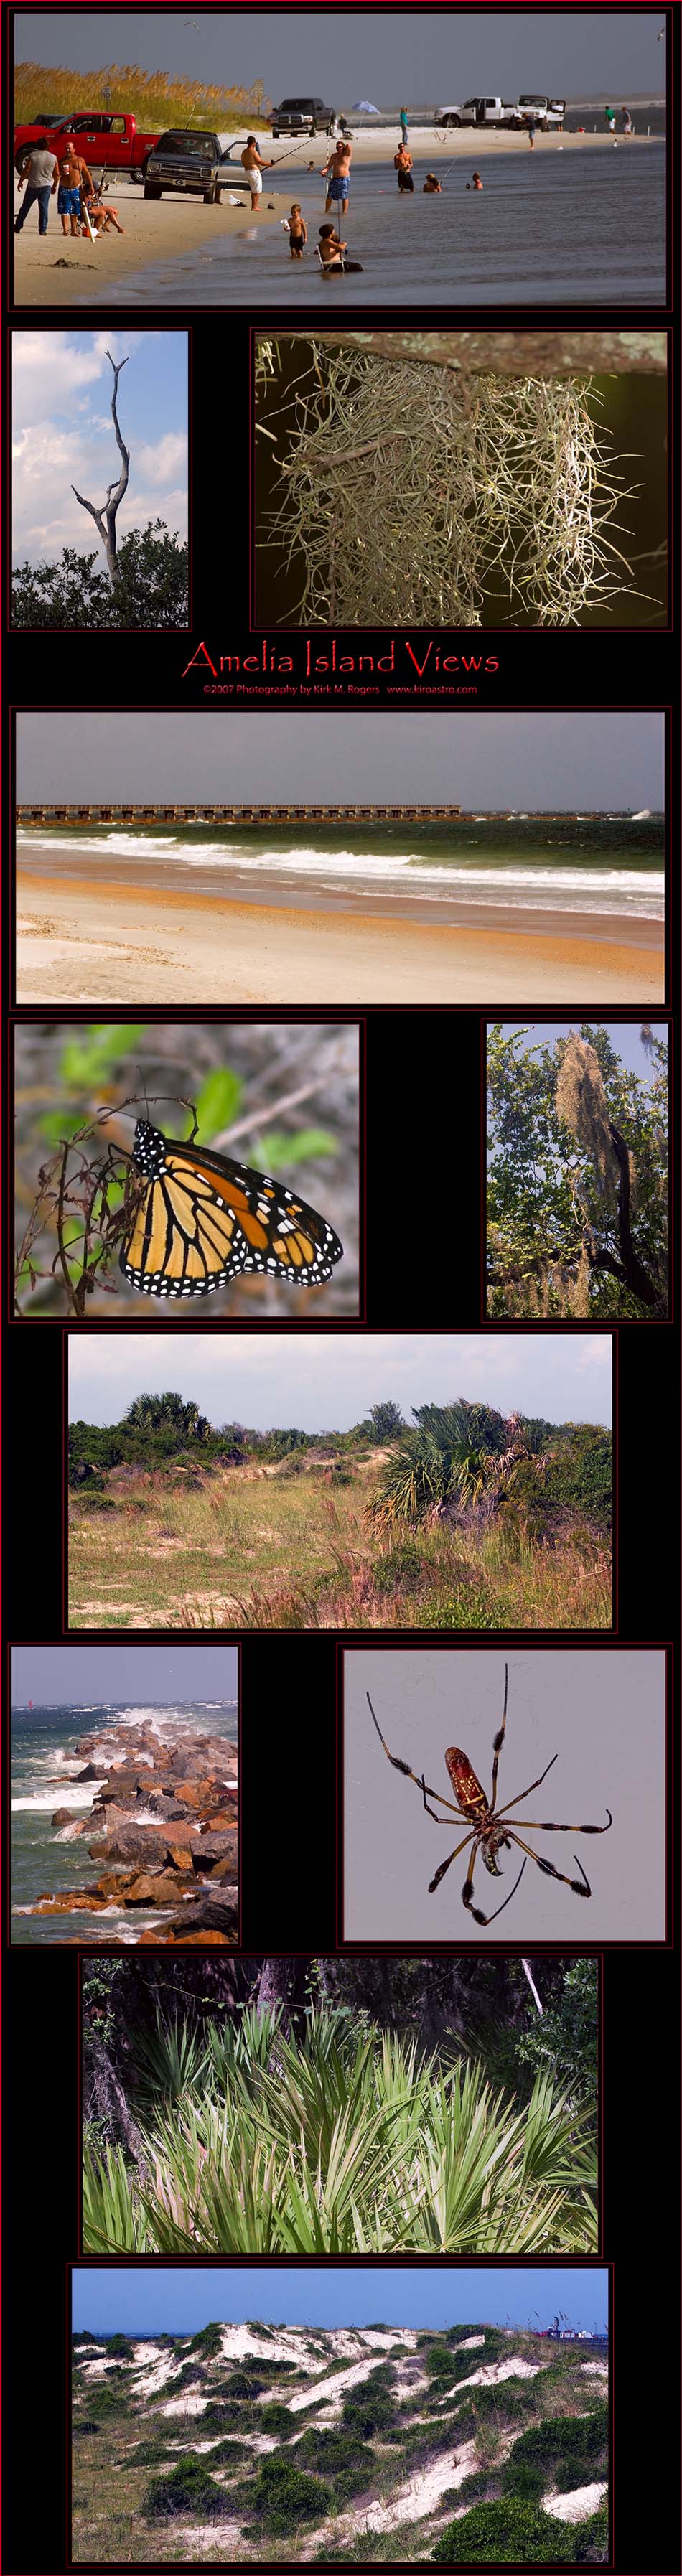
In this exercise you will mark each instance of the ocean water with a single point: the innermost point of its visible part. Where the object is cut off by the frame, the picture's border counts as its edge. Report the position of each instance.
(549, 227)
(408, 867)
(44, 1764)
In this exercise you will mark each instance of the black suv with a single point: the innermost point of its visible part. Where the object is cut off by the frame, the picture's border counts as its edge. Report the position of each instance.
(300, 116)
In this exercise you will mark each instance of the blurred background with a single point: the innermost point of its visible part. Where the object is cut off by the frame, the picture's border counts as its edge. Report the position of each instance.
(282, 1097)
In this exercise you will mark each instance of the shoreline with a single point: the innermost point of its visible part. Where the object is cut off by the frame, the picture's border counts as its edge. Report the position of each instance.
(160, 1825)
(178, 228)
(150, 947)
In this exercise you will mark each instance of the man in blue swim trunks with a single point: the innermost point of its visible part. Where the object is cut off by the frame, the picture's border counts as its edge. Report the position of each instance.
(73, 174)
(338, 175)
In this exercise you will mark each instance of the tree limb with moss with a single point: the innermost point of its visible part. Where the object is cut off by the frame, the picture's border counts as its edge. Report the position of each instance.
(577, 1180)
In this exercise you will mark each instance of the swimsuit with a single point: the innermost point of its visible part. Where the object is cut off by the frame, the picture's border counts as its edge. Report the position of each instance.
(255, 182)
(68, 201)
(337, 189)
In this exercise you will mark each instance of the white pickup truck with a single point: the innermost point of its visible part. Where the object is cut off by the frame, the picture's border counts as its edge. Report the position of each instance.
(501, 112)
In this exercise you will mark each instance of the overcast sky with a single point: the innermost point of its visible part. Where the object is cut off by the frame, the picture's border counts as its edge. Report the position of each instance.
(150, 2300)
(62, 433)
(384, 55)
(153, 1675)
(577, 760)
(327, 1381)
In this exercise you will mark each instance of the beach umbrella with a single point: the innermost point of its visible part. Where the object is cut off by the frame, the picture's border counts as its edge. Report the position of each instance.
(363, 107)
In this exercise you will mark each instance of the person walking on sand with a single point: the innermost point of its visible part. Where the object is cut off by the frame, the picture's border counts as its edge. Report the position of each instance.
(626, 121)
(531, 132)
(40, 172)
(402, 162)
(336, 170)
(252, 164)
(403, 124)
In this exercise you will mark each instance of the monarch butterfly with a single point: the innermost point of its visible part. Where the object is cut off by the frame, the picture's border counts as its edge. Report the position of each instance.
(203, 1219)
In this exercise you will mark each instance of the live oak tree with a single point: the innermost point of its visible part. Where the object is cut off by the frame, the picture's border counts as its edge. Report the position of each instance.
(577, 1179)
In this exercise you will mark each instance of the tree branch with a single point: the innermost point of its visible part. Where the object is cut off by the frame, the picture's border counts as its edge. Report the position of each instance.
(105, 520)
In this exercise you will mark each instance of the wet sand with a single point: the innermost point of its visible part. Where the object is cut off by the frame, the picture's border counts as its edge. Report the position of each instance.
(183, 227)
(79, 941)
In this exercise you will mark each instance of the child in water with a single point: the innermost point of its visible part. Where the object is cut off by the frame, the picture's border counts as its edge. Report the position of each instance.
(333, 251)
(476, 182)
(432, 186)
(298, 232)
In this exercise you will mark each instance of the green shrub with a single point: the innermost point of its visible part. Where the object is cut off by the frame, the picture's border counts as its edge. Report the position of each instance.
(188, 2488)
(523, 2477)
(276, 2418)
(368, 2412)
(282, 2497)
(340, 2456)
(119, 2348)
(241, 2384)
(86, 2427)
(209, 2340)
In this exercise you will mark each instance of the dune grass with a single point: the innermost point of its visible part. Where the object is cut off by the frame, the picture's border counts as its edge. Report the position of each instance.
(246, 1551)
(125, 89)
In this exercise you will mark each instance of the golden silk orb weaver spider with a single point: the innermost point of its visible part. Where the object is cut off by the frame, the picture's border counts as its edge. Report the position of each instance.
(489, 1831)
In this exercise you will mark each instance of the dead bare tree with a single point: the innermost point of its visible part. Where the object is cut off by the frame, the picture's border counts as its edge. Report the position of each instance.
(105, 520)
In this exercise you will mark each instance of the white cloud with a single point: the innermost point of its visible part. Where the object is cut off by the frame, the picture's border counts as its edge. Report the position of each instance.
(159, 462)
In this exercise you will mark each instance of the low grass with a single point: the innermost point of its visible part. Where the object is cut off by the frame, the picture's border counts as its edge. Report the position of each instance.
(244, 1551)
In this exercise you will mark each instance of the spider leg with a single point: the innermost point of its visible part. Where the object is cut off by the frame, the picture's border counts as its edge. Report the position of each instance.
(498, 1741)
(532, 1784)
(445, 1864)
(547, 1866)
(533, 1826)
(468, 1889)
(414, 1775)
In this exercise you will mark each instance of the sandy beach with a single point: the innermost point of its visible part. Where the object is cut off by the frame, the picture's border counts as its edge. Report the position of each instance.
(57, 271)
(81, 942)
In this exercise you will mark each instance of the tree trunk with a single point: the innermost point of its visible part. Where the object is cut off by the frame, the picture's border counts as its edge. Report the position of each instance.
(105, 520)
(515, 353)
(283, 1981)
(109, 2101)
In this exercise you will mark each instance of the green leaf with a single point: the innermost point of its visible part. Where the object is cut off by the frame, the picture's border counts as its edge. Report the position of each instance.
(308, 1145)
(218, 1100)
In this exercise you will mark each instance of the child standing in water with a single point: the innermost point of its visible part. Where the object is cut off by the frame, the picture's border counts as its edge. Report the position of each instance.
(298, 232)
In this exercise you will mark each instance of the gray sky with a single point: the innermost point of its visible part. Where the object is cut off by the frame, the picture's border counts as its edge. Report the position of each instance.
(327, 1381)
(152, 1675)
(575, 760)
(594, 1709)
(377, 54)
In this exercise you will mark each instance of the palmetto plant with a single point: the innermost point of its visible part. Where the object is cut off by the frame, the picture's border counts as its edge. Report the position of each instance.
(434, 1463)
(340, 2145)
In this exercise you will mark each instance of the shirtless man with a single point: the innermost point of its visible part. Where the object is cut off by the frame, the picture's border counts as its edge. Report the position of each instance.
(402, 162)
(252, 164)
(337, 169)
(73, 175)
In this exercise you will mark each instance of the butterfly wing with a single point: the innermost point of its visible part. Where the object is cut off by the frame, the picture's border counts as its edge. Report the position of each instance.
(203, 1219)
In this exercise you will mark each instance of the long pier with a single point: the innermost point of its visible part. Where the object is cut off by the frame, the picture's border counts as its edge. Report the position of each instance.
(140, 814)
(234, 813)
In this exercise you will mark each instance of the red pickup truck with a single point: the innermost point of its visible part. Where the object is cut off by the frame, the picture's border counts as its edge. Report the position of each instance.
(106, 142)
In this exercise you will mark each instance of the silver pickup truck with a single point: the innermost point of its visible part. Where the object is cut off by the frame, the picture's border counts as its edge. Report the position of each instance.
(202, 164)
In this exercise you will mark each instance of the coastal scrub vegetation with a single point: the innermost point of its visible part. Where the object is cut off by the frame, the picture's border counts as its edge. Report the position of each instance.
(577, 1185)
(124, 89)
(463, 1519)
(336, 2107)
(461, 495)
(512, 2468)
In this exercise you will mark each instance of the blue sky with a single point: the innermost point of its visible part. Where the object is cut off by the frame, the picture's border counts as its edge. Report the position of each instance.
(62, 433)
(327, 1381)
(624, 1035)
(377, 54)
(150, 2300)
(150, 1675)
(566, 760)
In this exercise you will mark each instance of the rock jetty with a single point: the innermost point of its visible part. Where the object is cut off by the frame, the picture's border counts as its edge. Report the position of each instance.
(163, 1829)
